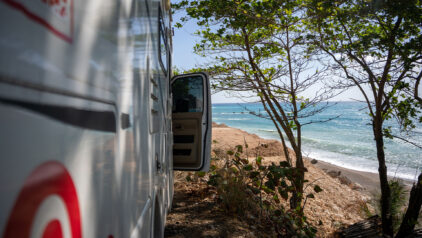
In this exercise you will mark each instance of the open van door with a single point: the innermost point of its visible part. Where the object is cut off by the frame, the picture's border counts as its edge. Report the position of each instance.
(191, 122)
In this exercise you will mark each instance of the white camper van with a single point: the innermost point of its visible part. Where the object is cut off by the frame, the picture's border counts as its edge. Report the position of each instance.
(91, 123)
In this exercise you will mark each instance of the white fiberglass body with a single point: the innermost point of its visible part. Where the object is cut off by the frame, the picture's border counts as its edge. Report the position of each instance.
(86, 118)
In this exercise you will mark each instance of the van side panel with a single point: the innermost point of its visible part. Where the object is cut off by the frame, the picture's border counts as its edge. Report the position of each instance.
(85, 125)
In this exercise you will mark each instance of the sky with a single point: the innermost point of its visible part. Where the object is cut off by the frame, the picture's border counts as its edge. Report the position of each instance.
(184, 59)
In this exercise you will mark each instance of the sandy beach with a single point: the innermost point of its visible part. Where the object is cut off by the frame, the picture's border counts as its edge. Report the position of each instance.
(345, 192)
(228, 137)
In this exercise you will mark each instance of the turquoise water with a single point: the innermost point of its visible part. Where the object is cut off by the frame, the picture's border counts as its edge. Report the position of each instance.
(346, 141)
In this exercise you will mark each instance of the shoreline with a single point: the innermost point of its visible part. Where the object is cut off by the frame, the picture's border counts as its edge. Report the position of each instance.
(341, 202)
(368, 181)
(403, 178)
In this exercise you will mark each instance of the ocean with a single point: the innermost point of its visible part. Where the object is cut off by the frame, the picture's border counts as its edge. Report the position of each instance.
(346, 141)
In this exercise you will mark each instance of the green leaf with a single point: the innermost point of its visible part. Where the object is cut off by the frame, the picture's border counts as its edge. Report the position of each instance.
(270, 184)
(248, 167)
(276, 199)
(239, 148)
(283, 193)
(284, 164)
(254, 174)
(259, 160)
(317, 189)
(201, 174)
(267, 190)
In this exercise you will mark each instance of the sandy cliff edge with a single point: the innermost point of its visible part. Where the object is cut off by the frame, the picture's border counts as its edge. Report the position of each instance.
(341, 201)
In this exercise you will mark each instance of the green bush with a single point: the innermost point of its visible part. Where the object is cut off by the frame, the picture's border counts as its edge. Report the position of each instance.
(398, 202)
(246, 187)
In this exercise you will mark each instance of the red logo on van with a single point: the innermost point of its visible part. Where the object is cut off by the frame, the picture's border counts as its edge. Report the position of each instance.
(55, 15)
(47, 180)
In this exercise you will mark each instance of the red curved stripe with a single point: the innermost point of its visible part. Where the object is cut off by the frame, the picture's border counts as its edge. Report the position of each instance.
(50, 178)
(53, 230)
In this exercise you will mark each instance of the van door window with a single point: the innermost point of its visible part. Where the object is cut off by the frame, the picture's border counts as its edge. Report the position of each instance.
(188, 95)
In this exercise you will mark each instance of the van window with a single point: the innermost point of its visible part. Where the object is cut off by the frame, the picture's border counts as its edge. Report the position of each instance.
(162, 48)
(188, 95)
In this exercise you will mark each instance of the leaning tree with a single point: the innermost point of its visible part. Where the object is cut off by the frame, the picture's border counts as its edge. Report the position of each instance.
(258, 46)
(376, 46)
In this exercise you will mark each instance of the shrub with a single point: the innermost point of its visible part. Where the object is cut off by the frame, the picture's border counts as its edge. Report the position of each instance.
(245, 186)
(398, 202)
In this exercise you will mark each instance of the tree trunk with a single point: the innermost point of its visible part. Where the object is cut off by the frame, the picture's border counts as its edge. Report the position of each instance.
(387, 219)
(296, 199)
(283, 142)
(415, 202)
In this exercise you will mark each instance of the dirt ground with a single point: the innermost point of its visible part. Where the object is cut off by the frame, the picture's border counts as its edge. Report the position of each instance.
(195, 213)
